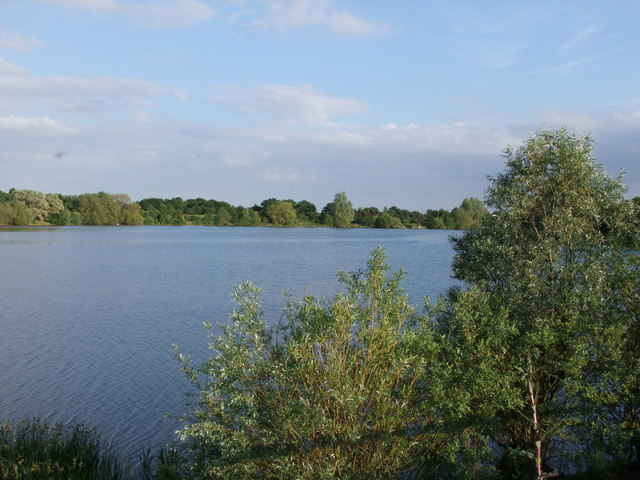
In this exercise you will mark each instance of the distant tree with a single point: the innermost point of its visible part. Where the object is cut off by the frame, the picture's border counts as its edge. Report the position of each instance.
(249, 217)
(41, 205)
(130, 214)
(327, 216)
(366, 217)
(95, 210)
(437, 223)
(386, 220)
(462, 219)
(343, 213)
(176, 204)
(65, 217)
(439, 219)
(224, 216)
(196, 206)
(281, 213)
(306, 211)
(475, 208)
(15, 212)
(469, 214)
(402, 215)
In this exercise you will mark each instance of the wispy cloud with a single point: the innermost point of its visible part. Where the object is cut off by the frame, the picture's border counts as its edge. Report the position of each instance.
(288, 104)
(579, 38)
(19, 43)
(631, 118)
(577, 120)
(35, 126)
(159, 14)
(281, 177)
(9, 68)
(168, 14)
(95, 5)
(287, 15)
(281, 16)
(569, 66)
(70, 93)
(496, 38)
(456, 138)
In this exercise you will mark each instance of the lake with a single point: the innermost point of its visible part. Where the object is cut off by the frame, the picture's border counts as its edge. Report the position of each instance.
(88, 315)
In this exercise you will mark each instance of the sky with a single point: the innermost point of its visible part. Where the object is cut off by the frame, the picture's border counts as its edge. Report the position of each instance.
(408, 103)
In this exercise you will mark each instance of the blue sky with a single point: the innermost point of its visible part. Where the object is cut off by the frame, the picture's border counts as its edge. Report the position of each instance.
(406, 103)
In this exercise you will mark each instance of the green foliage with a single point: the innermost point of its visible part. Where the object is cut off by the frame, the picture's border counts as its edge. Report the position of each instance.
(341, 390)
(551, 257)
(33, 450)
(385, 220)
(366, 217)
(281, 213)
(327, 216)
(118, 209)
(306, 211)
(469, 214)
(15, 212)
(475, 209)
(439, 219)
(249, 218)
(343, 211)
(40, 204)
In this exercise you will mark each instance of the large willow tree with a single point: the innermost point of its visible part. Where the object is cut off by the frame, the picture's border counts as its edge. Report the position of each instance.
(554, 256)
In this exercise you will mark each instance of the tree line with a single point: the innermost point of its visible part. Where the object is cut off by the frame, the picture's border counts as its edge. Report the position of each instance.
(27, 207)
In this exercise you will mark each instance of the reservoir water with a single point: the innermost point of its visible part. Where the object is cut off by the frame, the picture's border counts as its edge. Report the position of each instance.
(88, 315)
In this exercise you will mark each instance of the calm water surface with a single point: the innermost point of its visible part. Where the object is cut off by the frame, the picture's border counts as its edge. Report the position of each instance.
(88, 315)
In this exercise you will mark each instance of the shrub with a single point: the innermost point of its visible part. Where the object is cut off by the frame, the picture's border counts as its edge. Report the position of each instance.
(340, 390)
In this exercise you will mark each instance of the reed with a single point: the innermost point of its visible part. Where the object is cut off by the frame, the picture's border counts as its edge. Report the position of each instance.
(34, 450)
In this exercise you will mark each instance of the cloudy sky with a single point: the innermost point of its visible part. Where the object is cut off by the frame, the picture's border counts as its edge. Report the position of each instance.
(406, 103)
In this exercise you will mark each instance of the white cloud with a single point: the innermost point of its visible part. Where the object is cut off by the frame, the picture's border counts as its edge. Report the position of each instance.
(281, 177)
(168, 14)
(159, 14)
(75, 93)
(628, 118)
(348, 24)
(286, 15)
(235, 162)
(10, 68)
(18, 42)
(180, 93)
(569, 66)
(288, 104)
(37, 125)
(458, 138)
(281, 16)
(574, 120)
(96, 5)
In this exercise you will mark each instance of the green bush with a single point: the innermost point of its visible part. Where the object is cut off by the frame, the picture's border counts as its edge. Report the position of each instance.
(341, 389)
